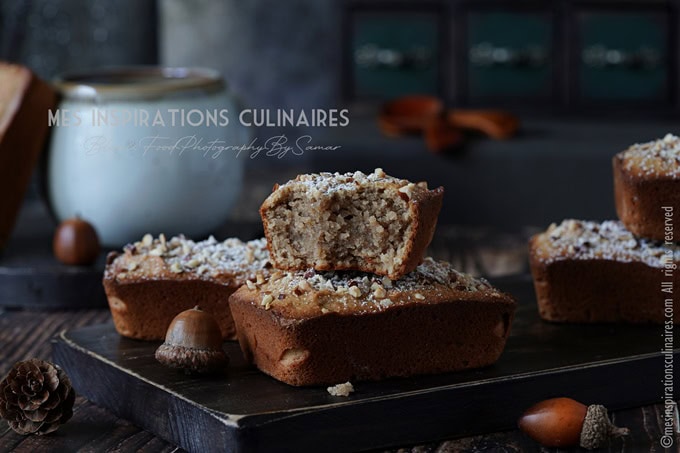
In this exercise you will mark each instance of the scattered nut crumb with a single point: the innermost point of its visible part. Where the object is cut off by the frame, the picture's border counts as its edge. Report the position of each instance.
(147, 240)
(250, 255)
(176, 268)
(379, 292)
(386, 303)
(251, 286)
(304, 286)
(387, 282)
(407, 189)
(419, 296)
(355, 292)
(267, 301)
(132, 266)
(341, 389)
(259, 278)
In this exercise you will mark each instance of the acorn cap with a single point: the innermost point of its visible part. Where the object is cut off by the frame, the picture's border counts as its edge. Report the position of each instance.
(193, 343)
(598, 429)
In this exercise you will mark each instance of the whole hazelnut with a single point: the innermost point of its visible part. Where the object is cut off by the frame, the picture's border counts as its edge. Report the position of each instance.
(75, 242)
(564, 422)
(193, 343)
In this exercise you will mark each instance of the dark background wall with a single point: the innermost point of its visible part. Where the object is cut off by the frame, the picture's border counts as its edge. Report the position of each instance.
(587, 79)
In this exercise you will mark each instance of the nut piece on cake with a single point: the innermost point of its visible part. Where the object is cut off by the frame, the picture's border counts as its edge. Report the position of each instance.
(600, 272)
(353, 221)
(320, 328)
(155, 279)
(646, 179)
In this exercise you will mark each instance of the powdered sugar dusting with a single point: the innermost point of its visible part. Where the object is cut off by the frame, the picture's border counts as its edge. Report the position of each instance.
(609, 240)
(205, 258)
(332, 182)
(368, 290)
(658, 158)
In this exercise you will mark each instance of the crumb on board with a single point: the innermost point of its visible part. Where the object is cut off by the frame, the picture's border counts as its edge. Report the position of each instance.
(341, 389)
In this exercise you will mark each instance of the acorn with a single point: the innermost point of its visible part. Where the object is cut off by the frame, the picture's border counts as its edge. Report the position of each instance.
(564, 422)
(193, 343)
(75, 242)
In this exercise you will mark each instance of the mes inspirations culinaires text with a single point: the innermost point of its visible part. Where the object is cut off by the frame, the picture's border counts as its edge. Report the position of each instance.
(127, 130)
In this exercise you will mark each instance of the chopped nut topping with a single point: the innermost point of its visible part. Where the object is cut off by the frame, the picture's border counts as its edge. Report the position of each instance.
(379, 292)
(366, 290)
(387, 282)
(132, 266)
(407, 189)
(658, 158)
(208, 257)
(251, 286)
(354, 291)
(267, 301)
(304, 286)
(608, 240)
(259, 278)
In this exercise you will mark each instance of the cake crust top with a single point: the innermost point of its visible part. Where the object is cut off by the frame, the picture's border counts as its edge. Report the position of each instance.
(326, 183)
(657, 159)
(304, 294)
(609, 240)
(231, 261)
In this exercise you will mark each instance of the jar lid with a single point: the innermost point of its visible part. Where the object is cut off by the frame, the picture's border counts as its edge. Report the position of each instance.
(136, 82)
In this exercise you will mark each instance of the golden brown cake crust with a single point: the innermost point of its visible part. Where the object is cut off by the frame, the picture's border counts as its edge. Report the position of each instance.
(323, 193)
(323, 332)
(24, 103)
(599, 272)
(647, 178)
(153, 280)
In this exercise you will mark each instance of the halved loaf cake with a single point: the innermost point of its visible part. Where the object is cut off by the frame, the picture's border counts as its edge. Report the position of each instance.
(353, 221)
(155, 279)
(600, 272)
(647, 188)
(309, 328)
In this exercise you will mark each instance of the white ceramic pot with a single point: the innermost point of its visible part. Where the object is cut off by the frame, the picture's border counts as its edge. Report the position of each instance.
(136, 178)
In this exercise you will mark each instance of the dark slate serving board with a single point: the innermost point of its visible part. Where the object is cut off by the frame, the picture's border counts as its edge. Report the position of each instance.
(616, 365)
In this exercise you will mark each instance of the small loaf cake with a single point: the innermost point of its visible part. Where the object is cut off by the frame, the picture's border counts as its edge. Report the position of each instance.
(24, 103)
(600, 272)
(353, 221)
(310, 328)
(155, 279)
(647, 185)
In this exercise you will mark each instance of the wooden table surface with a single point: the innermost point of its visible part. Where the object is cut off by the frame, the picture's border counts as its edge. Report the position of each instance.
(26, 333)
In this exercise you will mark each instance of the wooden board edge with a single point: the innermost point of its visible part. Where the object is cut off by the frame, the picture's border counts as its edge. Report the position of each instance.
(185, 423)
(440, 413)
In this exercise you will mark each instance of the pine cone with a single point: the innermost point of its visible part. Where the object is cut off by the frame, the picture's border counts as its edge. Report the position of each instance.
(36, 397)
